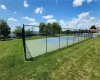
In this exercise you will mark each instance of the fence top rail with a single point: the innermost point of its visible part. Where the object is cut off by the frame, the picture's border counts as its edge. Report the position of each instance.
(31, 25)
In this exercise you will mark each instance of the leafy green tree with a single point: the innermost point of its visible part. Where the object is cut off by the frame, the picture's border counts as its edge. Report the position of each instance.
(18, 31)
(80, 31)
(4, 29)
(28, 32)
(68, 31)
(42, 28)
(56, 28)
(49, 29)
(93, 27)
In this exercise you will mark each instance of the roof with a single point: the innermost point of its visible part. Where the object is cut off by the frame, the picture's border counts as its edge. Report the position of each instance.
(92, 30)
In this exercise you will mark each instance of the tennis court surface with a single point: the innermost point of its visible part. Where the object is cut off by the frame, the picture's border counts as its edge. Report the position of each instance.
(38, 47)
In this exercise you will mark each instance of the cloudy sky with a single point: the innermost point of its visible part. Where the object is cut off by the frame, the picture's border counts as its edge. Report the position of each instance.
(68, 13)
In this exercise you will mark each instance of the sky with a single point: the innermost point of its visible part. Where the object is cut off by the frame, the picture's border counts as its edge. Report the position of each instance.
(79, 14)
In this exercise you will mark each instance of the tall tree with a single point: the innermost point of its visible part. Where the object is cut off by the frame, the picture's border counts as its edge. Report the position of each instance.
(49, 29)
(18, 31)
(56, 28)
(28, 32)
(42, 28)
(4, 28)
(93, 27)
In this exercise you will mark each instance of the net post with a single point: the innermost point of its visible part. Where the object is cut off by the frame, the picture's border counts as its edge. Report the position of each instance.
(59, 39)
(77, 34)
(73, 36)
(86, 35)
(23, 39)
(82, 35)
(67, 36)
(46, 39)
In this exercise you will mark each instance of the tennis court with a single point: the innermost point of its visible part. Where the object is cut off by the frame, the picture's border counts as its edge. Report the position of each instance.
(38, 47)
(52, 39)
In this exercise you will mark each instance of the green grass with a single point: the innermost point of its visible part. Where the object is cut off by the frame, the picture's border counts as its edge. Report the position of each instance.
(35, 37)
(78, 62)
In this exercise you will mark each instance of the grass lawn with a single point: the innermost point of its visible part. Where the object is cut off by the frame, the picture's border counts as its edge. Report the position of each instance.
(78, 62)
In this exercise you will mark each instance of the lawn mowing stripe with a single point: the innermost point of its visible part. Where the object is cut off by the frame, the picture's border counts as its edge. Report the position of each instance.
(84, 48)
(46, 65)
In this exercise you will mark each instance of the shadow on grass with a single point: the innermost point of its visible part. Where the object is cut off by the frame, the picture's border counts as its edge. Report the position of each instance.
(53, 52)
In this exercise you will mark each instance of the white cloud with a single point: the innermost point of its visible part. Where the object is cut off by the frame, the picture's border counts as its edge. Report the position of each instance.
(30, 19)
(82, 21)
(26, 4)
(64, 24)
(92, 18)
(83, 15)
(39, 10)
(89, 1)
(48, 17)
(15, 12)
(3, 7)
(75, 21)
(78, 2)
(35, 24)
(51, 20)
(12, 19)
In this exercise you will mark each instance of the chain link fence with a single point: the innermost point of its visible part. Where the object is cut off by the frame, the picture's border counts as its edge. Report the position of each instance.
(36, 43)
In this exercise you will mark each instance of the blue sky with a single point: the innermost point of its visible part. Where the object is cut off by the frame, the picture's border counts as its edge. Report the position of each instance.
(68, 13)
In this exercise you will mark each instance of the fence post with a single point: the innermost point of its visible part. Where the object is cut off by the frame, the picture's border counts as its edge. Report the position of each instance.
(81, 35)
(59, 39)
(23, 39)
(78, 32)
(46, 39)
(73, 36)
(67, 37)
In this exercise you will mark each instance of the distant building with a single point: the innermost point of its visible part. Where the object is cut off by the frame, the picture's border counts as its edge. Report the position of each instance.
(12, 35)
(98, 29)
(93, 30)
(36, 32)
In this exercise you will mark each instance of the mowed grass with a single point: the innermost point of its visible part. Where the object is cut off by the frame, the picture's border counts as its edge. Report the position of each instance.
(78, 62)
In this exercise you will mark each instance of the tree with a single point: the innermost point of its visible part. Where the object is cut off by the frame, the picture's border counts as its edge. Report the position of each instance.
(56, 28)
(42, 28)
(93, 27)
(18, 31)
(67, 32)
(28, 32)
(49, 29)
(4, 29)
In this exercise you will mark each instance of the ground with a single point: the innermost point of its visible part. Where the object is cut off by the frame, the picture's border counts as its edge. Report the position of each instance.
(78, 62)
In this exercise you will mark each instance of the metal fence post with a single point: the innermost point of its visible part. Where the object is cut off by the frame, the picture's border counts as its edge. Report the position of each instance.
(59, 39)
(78, 35)
(73, 36)
(67, 38)
(46, 39)
(81, 35)
(23, 39)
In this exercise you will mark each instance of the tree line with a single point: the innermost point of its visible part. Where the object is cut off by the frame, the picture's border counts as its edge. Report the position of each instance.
(50, 29)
